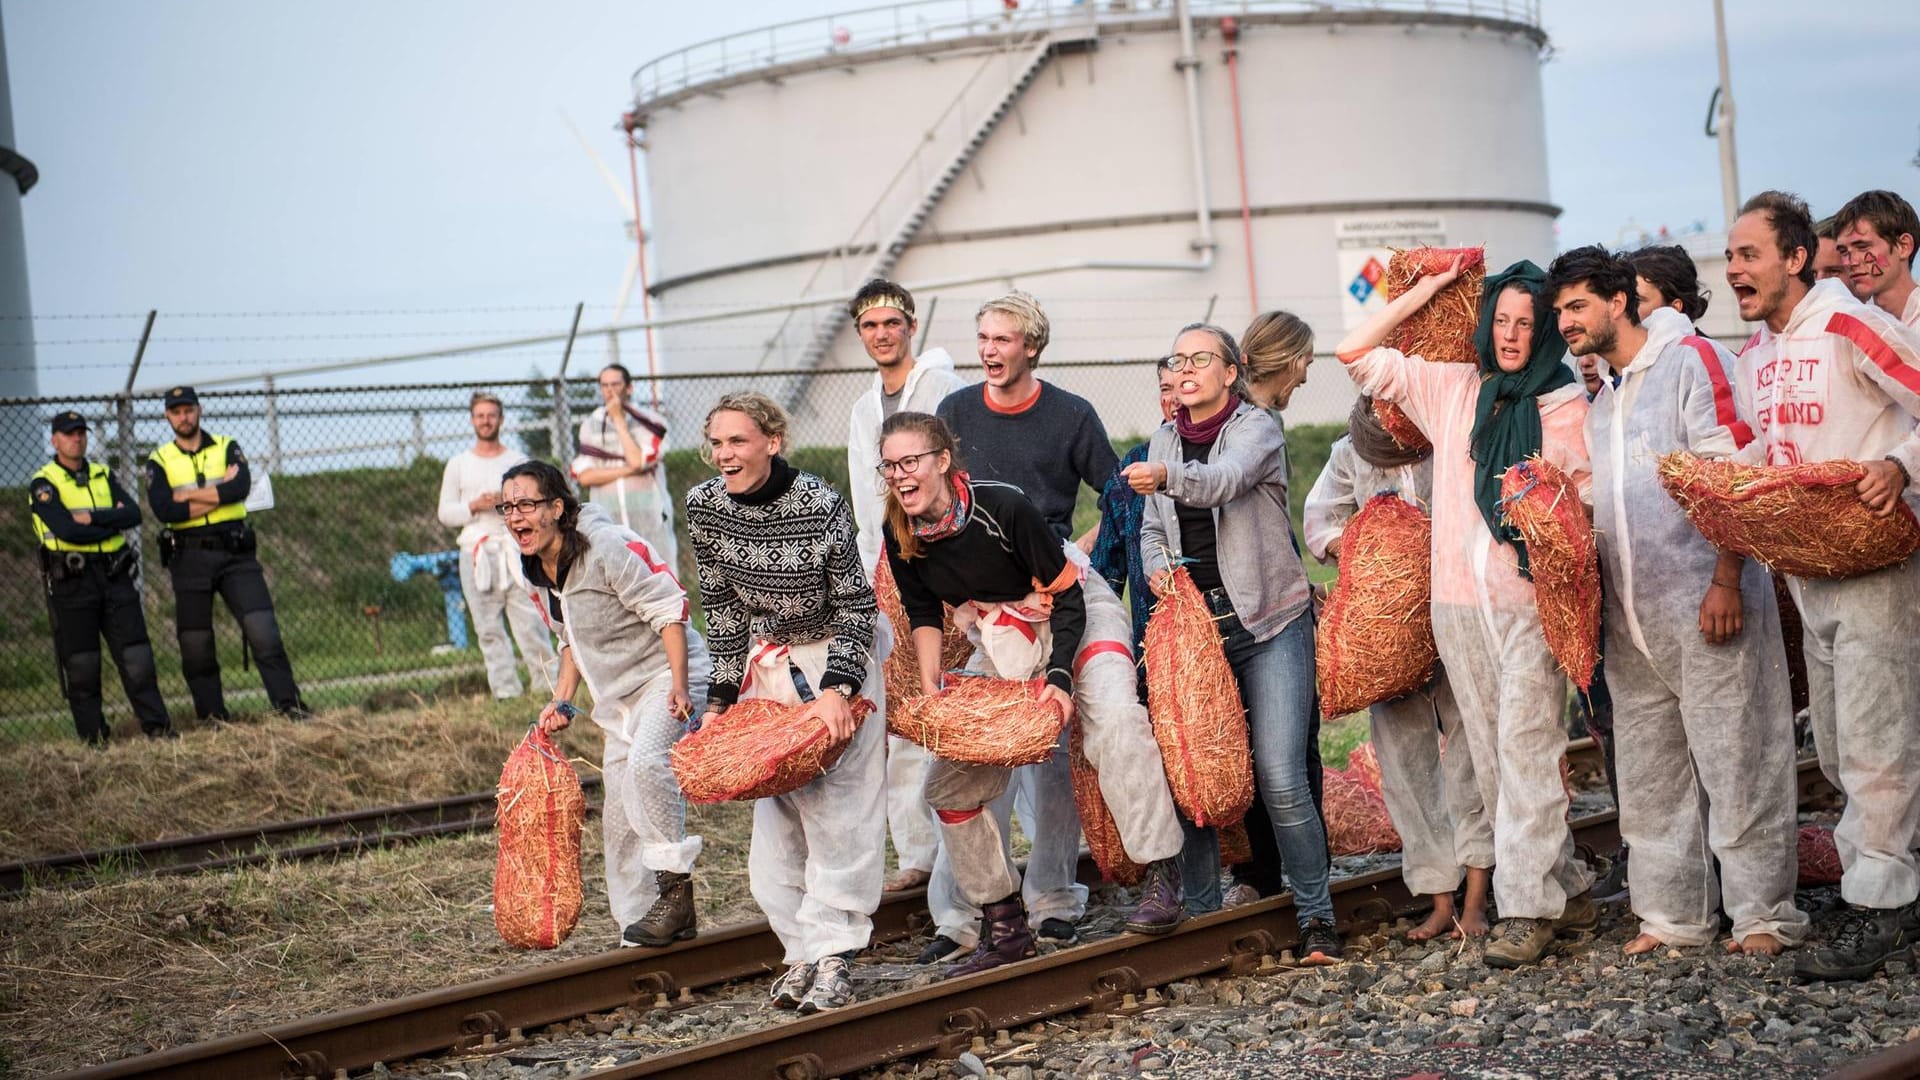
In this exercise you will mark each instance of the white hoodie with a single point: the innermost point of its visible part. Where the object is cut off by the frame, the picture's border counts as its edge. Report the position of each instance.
(931, 380)
(1842, 381)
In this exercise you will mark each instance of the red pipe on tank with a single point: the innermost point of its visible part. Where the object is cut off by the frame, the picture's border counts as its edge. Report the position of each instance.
(628, 124)
(1230, 30)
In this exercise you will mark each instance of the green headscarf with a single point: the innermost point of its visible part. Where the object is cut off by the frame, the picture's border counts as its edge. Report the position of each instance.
(1506, 422)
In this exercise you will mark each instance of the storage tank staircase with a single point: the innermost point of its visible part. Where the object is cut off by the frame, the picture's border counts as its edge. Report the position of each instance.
(887, 252)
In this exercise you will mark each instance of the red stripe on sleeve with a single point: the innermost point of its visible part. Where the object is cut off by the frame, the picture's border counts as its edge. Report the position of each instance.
(1723, 410)
(1095, 649)
(1882, 354)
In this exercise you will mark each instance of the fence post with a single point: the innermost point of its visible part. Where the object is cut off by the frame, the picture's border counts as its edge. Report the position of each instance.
(562, 422)
(419, 435)
(273, 426)
(129, 475)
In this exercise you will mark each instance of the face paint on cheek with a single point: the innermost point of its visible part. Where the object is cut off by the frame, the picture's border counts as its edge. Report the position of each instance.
(1875, 268)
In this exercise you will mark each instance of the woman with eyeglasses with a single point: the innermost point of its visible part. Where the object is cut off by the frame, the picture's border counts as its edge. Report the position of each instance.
(1216, 490)
(1030, 612)
(621, 619)
(793, 619)
(1521, 399)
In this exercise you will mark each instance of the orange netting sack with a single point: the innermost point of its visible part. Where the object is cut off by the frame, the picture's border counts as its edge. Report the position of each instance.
(757, 749)
(983, 720)
(1539, 500)
(901, 669)
(540, 810)
(1376, 632)
(1356, 815)
(1803, 520)
(1442, 330)
(1096, 821)
(1236, 847)
(1194, 700)
(1819, 856)
(1363, 763)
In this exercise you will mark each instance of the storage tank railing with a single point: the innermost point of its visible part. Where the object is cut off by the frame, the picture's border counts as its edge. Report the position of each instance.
(918, 22)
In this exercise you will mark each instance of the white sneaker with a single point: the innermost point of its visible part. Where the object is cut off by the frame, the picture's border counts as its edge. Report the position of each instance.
(792, 986)
(832, 986)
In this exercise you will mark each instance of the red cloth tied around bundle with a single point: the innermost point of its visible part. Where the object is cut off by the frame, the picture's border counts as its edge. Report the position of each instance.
(1542, 502)
(1194, 700)
(1375, 640)
(983, 720)
(540, 809)
(1804, 520)
(757, 749)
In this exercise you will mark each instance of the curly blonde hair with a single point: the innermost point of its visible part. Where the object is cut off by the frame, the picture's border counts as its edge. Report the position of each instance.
(766, 414)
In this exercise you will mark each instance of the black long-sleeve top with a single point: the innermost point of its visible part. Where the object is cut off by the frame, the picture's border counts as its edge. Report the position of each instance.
(1006, 552)
(170, 510)
(108, 521)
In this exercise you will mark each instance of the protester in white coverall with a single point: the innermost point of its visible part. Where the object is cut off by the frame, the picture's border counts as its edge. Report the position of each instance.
(1031, 612)
(619, 463)
(490, 579)
(791, 617)
(1828, 378)
(1702, 718)
(883, 316)
(622, 621)
(1446, 835)
(1485, 620)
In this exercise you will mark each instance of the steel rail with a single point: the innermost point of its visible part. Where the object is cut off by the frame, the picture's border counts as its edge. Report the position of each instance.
(254, 845)
(493, 1010)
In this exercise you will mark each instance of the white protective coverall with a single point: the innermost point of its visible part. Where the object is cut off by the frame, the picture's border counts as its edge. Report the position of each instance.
(1485, 622)
(641, 503)
(1431, 793)
(616, 599)
(819, 854)
(1118, 740)
(1704, 732)
(490, 578)
(916, 837)
(1842, 381)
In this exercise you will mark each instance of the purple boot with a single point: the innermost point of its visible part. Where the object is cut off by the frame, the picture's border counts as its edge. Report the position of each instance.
(1162, 904)
(1004, 938)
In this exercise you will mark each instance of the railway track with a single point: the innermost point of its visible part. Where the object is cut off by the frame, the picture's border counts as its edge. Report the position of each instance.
(310, 838)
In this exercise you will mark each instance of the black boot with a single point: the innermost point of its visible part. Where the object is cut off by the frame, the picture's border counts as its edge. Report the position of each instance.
(1004, 938)
(1861, 940)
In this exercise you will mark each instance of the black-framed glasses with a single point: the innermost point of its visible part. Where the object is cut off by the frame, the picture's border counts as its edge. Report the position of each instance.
(906, 465)
(1199, 361)
(523, 507)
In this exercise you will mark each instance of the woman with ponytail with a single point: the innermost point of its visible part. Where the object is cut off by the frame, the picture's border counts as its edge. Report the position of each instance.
(1031, 611)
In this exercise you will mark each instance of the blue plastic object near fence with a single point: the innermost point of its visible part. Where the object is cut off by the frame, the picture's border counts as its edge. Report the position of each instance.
(444, 566)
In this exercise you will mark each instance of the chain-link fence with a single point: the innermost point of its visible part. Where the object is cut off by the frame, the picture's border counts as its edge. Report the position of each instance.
(356, 473)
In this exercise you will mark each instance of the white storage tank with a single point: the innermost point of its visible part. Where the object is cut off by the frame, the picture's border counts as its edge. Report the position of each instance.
(794, 160)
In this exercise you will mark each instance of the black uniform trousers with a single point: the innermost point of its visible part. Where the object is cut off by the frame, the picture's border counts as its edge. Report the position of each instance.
(205, 565)
(87, 604)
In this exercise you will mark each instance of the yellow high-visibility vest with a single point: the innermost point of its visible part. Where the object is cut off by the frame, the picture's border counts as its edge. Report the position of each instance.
(193, 470)
(95, 494)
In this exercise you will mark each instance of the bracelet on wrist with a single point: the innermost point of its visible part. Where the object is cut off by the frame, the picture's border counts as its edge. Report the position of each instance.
(1735, 586)
(1905, 477)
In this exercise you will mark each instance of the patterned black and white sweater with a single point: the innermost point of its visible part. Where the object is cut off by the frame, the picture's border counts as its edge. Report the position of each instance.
(780, 564)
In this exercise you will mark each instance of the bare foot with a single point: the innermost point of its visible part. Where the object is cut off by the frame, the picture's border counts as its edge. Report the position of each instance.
(903, 880)
(1757, 945)
(1645, 943)
(1473, 922)
(1438, 923)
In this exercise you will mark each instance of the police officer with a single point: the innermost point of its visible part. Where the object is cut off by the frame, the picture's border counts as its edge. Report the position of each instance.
(79, 514)
(197, 486)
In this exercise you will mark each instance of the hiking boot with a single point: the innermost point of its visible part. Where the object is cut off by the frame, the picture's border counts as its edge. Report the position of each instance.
(1058, 931)
(940, 950)
(1612, 886)
(792, 986)
(832, 986)
(1004, 938)
(1320, 944)
(1580, 914)
(298, 712)
(1519, 942)
(670, 919)
(1161, 906)
(1861, 940)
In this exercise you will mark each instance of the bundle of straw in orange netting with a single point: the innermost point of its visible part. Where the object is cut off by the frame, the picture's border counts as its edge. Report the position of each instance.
(1442, 330)
(1096, 821)
(1198, 719)
(755, 750)
(1399, 426)
(1355, 810)
(901, 670)
(536, 882)
(1539, 500)
(1819, 856)
(1376, 631)
(1803, 520)
(1236, 847)
(981, 719)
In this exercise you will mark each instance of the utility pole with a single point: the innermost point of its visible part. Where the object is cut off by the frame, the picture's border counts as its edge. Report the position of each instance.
(1729, 165)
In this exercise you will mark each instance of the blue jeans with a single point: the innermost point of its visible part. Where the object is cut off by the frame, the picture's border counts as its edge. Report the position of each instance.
(1276, 680)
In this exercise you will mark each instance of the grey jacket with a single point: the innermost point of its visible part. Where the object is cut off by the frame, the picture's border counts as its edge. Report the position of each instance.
(1245, 483)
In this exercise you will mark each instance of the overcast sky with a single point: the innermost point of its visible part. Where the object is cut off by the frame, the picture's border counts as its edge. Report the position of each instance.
(233, 156)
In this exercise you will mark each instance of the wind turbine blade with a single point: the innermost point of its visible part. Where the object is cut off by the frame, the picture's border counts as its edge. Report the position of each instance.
(619, 193)
(626, 287)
